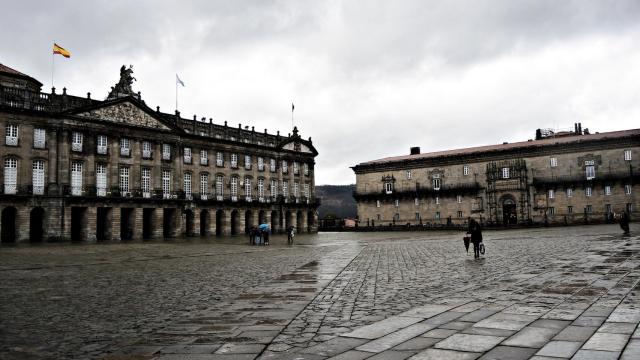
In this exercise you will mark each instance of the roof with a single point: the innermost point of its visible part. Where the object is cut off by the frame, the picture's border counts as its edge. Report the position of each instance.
(15, 73)
(508, 146)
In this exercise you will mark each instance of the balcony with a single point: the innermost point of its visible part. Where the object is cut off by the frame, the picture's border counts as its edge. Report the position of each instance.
(166, 156)
(38, 144)
(219, 163)
(11, 141)
(146, 154)
(204, 197)
(76, 191)
(146, 194)
(219, 197)
(102, 150)
(77, 147)
(187, 159)
(37, 190)
(234, 164)
(247, 166)
(125, 151)
(204, 161)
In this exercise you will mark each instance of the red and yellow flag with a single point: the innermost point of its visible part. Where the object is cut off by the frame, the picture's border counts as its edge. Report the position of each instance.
(57, 49)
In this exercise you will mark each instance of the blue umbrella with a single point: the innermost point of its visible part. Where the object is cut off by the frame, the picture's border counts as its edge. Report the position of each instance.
(264, 227)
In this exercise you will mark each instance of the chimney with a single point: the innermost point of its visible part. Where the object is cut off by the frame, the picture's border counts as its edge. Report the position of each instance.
(538, 134)
(415, 150)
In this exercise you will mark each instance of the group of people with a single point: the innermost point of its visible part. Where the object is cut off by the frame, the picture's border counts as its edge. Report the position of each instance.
(259, 235)
(474, 236)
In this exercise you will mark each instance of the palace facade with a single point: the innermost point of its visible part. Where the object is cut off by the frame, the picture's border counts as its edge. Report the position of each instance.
(81, 169)
(558, 178)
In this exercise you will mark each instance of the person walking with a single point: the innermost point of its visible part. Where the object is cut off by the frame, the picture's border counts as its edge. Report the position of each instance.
(290, 235)
(476, 237)
(624, 222)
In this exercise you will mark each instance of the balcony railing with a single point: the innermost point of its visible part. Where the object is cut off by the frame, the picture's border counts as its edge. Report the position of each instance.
(125, 151)
(76, 147)
(77, 190)
(146, 154)
(166, 156)
(219, 163)
(102, 149)
(204, 161)
(38, 144)
(421, 191)
(187, 159)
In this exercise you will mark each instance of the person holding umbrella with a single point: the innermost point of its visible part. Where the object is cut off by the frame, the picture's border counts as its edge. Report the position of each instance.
(265, 231)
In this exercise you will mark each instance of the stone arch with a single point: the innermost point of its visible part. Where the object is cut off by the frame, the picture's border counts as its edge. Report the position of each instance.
(9, 224)
(300, 225)
(248, 221)
(36, 225)
(310, 220)
(261, 217)
(220, 222)
(189, 222)
(204, 222)
(235, 222)
(287, 219)
(275, 221)
(509, 208)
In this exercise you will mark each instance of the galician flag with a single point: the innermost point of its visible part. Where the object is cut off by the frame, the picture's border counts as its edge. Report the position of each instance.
(178, 81)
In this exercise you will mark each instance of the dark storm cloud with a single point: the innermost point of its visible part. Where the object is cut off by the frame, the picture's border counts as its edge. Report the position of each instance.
(369, 78)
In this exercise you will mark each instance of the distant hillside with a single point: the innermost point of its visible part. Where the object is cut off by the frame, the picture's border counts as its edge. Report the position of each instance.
(337, 200)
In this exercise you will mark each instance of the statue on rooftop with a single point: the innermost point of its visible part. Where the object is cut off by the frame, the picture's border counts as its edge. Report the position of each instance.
(123, 87)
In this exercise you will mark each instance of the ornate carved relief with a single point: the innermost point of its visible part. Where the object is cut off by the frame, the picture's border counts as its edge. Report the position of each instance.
(126, 113)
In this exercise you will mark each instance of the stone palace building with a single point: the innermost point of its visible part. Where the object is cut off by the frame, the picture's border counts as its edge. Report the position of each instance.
(558, 178)
(83, 169)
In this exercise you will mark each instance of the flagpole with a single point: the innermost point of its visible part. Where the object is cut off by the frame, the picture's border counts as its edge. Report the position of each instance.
(292, 108)
(52, 65)
(176, 94)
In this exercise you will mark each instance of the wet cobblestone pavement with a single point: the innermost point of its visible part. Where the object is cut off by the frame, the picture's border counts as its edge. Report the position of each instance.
(540, 293)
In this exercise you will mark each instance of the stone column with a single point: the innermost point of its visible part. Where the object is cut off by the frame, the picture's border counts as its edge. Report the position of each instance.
(115, 217)
(303, 220)
(267, 219)
(157, 223)
(90, 230)
(212, 222)
(294, 221)
(22, 223)
(241, 223)
(226, 222)
(196, 221)
(177, 223)
(137, 223)
(66, 223)
(314, 226)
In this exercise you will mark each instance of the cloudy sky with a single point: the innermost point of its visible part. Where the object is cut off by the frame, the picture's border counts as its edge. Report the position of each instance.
(369, 78)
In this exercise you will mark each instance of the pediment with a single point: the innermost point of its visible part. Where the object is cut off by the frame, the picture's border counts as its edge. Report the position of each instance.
(297, 146)
(125, 112)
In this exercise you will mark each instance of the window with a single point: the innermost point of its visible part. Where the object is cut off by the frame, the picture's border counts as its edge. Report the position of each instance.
(260, 163)
(247, 188)
(437, 200)
(416, 202)
(187, 186)
(306, 191)
(10, 175)
(459, 214)
(305, 168)
(627, 189)
(417, 216)
(607, 189)
(204, 186)
(296, 168)
(219, 187)
(37, 177)
(436, 182)
(124, 181)
(396, 217)
(39, 138)
(607, 208)
(11, 138)
(388, 187)
(219, 159)
(629, 208)
(125, 147)
(296, 189)
(166, 184)
(101, 179)
(285, 189)
(234, 188)
(569, 192)
(187, 155)
(627, 155)
(587, 191)
(459, 199)
(102, 144)
(272, 165)
(590, 171)
(146, 150)
(408, 174)
(76, 178)
(247, 162)
(234, 160)
(146, 182)
(588, 209)
(274, 188)
(465, 170)
(570, 209)
(204, 157)
(285, 168)
(261, 190)
(551, 210)
(76, 141)
(505, 173)
(378, 216)
(166, 151)
(397, 203)
(552, 194)
(553, 162)
(437, 216)
(377, 203)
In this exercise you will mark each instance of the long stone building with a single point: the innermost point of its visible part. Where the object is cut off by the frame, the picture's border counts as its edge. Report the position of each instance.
(83, 169)
(558, 178)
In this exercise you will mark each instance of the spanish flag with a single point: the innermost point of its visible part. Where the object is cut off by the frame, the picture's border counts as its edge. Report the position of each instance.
(57, 49)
